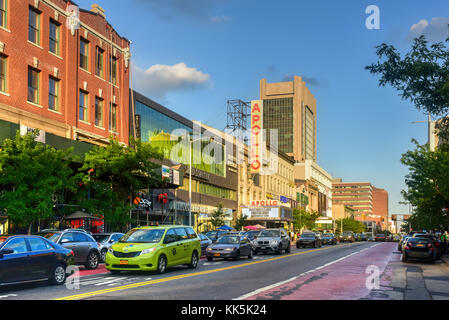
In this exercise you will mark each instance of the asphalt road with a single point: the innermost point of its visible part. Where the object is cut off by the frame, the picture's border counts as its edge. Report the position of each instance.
(223, 280)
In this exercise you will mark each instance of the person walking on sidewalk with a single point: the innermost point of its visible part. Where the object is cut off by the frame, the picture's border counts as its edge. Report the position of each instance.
(444, 238)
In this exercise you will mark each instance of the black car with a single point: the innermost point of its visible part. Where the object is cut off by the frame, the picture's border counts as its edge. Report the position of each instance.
(32, 258)
(329, 238)
(230, 246)
(84, 246)
(363, 237)
(419, 249)
(205, 242)
(214, 235)
(309, 239)
(436, 243)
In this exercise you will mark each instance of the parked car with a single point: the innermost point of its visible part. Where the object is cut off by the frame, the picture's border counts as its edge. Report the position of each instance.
(214, 235)
(154, 249)
(347, 236)
(252, 234)
(380, 237)
(205, 242)
(32, 258)
(371, 239)
(329, 238)
(418, 249)
(272, 240)
(106, 240)
(436, 242)
(230, 246)
(363, 237)
(84, 246)
(309, 239)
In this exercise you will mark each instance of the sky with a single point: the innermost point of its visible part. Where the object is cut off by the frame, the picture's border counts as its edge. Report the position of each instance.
(194, 55)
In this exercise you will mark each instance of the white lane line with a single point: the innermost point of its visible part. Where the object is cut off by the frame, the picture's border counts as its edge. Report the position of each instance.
(111, 281)
(9, 295)
(93, 281)
(250, 294)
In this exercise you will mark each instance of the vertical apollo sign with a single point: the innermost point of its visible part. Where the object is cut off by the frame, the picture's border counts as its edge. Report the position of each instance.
(256, 136)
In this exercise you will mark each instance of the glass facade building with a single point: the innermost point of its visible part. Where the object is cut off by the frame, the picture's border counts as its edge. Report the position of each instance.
(278, 114)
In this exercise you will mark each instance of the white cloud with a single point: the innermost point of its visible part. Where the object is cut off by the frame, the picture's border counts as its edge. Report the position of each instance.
(435, 30)
(160, 79)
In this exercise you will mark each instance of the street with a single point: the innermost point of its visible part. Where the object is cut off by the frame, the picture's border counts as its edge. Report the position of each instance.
(328, 273)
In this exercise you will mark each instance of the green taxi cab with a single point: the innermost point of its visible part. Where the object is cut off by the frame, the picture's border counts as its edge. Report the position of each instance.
(154, 249)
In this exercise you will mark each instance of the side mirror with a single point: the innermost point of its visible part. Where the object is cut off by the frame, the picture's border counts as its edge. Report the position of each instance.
(111, 241)
(5, 251)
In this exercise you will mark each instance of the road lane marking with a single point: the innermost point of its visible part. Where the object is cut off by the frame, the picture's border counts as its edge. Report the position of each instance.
(167, 279)
(255, 292)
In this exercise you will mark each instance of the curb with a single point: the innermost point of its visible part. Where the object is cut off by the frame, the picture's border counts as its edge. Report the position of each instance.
(445, 260)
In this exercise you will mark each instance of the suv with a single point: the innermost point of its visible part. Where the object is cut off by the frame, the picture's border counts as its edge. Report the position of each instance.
(85, 248)
(154, 249)
(272, 240)
(106, 240)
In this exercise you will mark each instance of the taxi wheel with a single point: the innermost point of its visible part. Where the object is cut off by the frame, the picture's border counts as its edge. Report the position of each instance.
(162, 264)
(194, 261)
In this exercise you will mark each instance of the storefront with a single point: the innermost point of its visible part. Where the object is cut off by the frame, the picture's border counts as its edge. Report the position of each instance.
(269, 213)
(203, 214)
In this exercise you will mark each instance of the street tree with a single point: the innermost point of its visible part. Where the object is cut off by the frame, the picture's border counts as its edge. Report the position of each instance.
(304, 219)
(350, 224)
(113, 174)
(240, 222)
(31, 174)
(217, 217)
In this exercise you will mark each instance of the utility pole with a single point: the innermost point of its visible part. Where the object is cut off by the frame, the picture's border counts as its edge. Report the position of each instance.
(430, 132)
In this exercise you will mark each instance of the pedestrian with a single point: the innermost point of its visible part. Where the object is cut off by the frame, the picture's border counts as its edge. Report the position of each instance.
(444, 241)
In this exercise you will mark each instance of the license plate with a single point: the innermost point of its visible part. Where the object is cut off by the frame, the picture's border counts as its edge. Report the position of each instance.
(123, 261)
(420, 245)
(263, 248)
(216, 255)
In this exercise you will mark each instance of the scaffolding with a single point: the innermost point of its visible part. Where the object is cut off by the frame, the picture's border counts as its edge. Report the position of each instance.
(238, 112)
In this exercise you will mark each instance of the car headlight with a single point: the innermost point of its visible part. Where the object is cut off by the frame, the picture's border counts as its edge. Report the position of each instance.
(230, 249)
(274, 242)
(208, 249)
(146, 251)
(110, 250)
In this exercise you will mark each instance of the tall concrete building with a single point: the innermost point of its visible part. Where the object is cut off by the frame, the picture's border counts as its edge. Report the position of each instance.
(290, 108)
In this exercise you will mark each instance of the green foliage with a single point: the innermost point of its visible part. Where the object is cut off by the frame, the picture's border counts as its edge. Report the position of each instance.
(217, 217)
(350, 224)
(113, 173)
(304, 219)
(421, 76)
(240, 222)
(30, 174)
(427, 186)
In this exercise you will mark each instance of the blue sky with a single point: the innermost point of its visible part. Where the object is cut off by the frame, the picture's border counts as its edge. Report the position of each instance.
(194, 55)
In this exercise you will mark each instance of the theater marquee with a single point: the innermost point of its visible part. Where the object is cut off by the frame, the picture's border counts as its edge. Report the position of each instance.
(256, 136)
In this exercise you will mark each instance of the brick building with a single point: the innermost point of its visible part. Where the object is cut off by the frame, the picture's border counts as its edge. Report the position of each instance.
(380, 206)
(70, 80)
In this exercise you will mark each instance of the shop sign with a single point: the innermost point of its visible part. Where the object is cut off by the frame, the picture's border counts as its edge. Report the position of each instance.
(284, 199)
(40, 138)
(256, 136)
(165, 172)
(264, 203)
(261, 213)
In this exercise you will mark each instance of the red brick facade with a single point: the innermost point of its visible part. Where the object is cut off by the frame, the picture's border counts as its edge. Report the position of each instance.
(22, 54)
(380, 205)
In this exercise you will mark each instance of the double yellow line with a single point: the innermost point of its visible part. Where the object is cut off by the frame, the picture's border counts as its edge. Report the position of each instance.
(146, 283)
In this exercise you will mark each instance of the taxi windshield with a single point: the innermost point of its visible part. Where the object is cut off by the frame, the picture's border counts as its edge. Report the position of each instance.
(143, 236)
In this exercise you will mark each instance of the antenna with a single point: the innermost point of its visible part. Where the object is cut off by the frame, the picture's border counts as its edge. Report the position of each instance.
(238, 113)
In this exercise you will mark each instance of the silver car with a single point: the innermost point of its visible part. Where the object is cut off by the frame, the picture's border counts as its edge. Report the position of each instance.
(272, 240)
(106, 240)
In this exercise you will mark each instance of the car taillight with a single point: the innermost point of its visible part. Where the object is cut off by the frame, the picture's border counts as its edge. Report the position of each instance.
(429, 245)
(72, 253)
(99, 244)
(437, 244)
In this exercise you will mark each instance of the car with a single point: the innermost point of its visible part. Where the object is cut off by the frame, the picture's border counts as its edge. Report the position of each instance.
(329, 238)
(230, 246)
(85, 248)
(380, 237)
(309, 239)
(347, 236)
(205, 242)
(357, 237)
(214, 235)
(272, 240)
(106, 240)
(419, 249)
(154, 248)
(363, 237)
(402, 242)
(252, 234)
(32, 259)
(436, 242)
(396, 238)
(371, 239)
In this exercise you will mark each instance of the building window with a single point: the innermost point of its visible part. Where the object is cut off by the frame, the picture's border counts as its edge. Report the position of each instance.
(54, 37)
(3, 74)
(99, 68)
(84, 54)
(84, 106)
(34, 26)
(33, 85)
(113, 75)
(53, 94)
(99, 112)
(3, 13)
(113, 118)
